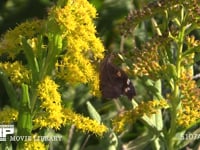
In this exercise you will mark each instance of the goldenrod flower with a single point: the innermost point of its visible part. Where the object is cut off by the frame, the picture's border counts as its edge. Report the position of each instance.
(193, 11)
(8, 115)
(191, 42)
(79, 70)
(146, 62)
(76, 21)
(74, 13)
(11, 41)
(34, 145)
(51, 114)
(129, 117)
(159, 7)
(83, 47)
(84, 123)
(120, 122)
(17, 72)
(190, 102)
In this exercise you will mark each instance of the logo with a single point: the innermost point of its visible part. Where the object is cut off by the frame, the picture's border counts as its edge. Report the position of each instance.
(6, 130)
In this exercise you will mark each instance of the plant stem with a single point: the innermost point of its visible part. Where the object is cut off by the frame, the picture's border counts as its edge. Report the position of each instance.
(175, 102)
(24, 124)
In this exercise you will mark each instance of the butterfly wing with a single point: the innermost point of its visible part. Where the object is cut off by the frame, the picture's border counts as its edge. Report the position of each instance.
(114, 81)
(109, 86)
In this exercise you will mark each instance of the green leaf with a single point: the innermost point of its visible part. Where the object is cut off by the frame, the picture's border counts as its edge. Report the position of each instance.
(109, 142)
(9, 89)
(141, 142)
(93, 113)
(32, 61)
(171, 69)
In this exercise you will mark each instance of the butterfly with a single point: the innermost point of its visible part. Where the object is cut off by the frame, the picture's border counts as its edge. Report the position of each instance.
(114, 82)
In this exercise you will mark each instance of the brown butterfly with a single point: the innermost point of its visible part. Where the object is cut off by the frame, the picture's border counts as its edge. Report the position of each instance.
(113, 81)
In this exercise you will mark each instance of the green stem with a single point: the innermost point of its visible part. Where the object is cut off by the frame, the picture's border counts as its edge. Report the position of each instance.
(24, 124)
(176, 99)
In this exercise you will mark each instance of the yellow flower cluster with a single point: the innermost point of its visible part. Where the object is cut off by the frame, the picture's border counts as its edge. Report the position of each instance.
(34, 145)
(84, 123)
(124, 119)
(79, 12)
(193, 11)
(11, 41)
(51, 114)
(146, 62)
(150, 107)
(129, 117)
(79, 70)
(8, 115)
(17, 73)
(190, 102)
(192, 42)
(83, 47)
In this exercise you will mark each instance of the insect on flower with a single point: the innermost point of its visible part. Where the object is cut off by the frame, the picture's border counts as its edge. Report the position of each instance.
(114, 82)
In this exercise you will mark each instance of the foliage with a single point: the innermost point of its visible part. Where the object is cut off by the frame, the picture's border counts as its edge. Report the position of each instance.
(49, 70)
